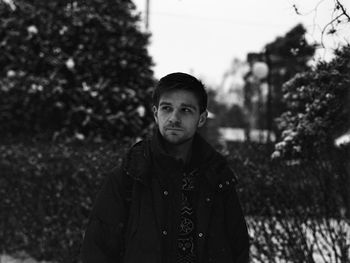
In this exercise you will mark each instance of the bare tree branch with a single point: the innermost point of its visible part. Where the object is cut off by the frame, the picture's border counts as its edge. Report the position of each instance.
(344, 12)
(339, 11)
(332, 31)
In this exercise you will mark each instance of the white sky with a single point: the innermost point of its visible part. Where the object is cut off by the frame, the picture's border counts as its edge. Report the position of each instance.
(204, 36)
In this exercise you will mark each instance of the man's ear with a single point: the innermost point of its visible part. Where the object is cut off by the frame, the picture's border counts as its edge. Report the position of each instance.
(155, 112)
(202, 119)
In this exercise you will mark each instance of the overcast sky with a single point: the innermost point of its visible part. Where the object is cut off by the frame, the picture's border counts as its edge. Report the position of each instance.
(204, 36)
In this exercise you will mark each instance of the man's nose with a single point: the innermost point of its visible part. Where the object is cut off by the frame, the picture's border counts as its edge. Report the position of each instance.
(175, 117)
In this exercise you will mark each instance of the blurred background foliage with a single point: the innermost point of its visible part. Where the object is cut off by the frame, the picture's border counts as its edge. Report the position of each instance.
(67, 69)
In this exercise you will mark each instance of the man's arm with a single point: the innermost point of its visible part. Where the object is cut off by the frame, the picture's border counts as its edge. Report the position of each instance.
(237, 228)
(104, 237)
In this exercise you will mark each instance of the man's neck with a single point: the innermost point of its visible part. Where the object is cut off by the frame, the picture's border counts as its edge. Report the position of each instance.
(181, 151)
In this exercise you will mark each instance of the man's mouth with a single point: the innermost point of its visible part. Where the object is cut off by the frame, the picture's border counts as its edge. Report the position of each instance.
(173, 129)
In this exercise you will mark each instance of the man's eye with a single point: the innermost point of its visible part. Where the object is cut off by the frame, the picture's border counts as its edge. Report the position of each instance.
(187, 110)
(166, 108)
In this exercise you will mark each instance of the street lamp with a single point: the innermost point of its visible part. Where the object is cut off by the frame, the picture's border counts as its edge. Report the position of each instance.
(260, 71)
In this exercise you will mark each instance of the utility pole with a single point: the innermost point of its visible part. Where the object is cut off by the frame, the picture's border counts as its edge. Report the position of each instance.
(147, 14)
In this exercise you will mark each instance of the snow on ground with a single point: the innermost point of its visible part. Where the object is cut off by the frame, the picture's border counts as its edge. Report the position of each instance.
(21, 259)
(326, 239)
(9, 259)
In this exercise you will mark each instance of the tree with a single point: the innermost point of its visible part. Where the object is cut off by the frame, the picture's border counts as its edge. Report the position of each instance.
(285, 57)
(75, 68)
(317, 108)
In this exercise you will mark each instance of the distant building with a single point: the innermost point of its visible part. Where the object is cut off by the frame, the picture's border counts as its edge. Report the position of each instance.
(237, 134)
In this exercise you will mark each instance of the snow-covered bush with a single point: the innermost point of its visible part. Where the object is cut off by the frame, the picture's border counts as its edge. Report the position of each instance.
(317, 108)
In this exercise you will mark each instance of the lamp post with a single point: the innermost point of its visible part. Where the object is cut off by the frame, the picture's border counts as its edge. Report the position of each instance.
(260, 71)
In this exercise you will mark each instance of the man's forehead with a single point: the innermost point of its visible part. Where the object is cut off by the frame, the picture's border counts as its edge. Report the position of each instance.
(182, 97)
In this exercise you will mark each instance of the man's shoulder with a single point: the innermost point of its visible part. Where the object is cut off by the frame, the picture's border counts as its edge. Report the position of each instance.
(139, 150)
(220, 173)
(136, 162)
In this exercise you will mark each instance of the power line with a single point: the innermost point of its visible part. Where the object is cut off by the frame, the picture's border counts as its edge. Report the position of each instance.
(227, 20)
(147, 14)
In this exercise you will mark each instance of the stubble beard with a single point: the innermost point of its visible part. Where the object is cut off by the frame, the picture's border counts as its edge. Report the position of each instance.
(172, 140)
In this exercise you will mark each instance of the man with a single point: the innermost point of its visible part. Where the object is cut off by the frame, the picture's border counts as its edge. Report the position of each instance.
(173, 199)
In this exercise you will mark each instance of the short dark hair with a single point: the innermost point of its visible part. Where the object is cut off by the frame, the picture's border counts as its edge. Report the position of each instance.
(181, 81)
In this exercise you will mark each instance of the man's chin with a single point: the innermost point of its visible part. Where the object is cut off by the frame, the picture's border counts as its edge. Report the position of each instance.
(175, 140)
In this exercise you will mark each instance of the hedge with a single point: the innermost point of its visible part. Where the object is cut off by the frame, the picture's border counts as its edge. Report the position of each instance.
(297, 211)
(318, 185)
(46, 195)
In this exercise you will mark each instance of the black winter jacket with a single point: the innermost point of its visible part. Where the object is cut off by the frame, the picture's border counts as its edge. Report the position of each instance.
(134, 218)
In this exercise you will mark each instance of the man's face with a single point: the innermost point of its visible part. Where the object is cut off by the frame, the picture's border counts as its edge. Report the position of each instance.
(178, 116)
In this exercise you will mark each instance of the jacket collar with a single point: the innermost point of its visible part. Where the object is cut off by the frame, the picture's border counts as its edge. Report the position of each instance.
(137, 162)
(160, 157)
(205, 159)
